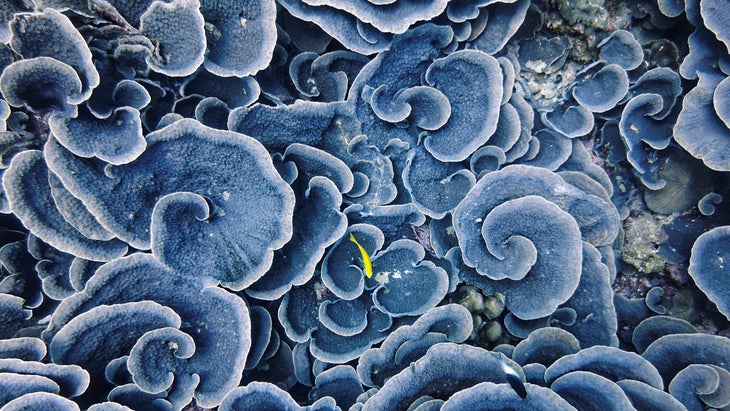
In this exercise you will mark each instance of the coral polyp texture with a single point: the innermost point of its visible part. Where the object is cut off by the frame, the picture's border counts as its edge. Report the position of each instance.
(364, 205)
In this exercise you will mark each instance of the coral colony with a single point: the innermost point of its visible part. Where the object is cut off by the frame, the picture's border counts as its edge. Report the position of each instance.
(364, 205)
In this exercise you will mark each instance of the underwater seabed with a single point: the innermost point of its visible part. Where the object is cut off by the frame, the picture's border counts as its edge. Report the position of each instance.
(364, 205)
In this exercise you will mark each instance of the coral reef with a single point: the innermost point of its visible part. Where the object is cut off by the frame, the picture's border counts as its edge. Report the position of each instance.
(364, 205)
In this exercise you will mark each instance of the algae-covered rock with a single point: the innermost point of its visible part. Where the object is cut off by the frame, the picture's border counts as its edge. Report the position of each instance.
(643, 236)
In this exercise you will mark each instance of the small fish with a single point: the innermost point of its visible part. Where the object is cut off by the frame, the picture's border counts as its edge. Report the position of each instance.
(512, 377)
(367, 264)
(108, 11)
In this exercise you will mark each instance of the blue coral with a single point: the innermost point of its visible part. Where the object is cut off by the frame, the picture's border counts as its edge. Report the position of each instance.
(181, 181)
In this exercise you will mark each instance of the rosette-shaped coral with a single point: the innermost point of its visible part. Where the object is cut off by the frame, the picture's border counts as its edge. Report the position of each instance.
(694, 368)
(138, 309)
(522, 228)
(367, 26)
(26, 184)
(317, 221)
(459, 375)
(175, 211)
(706, 113)
(349, 311)
(708, 266)
(267, 396)
(703, 125)
(28, 383)
(451, 323)
(354, 204)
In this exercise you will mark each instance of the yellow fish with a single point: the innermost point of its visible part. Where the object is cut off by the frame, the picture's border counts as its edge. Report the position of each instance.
(367, 264)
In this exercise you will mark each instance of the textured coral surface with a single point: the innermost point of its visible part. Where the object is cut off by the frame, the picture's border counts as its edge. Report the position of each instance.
(364, 205)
